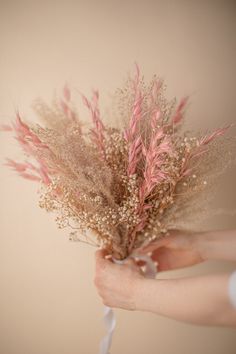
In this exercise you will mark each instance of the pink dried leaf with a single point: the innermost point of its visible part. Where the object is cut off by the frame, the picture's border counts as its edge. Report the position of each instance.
(23, 130)
(178, 116)
(24, 144)
(152, 172)
(187, 172)
(66, 92)
(156, 87)
(19, 167)
(67, 111)
(137, 106)
(144, 150)
(96, 112)
(42, 170)
(166, 146)
(218, 132)
(136, 115)
(137, 142)
(198, 153)
(95, 96)
(136, 111)
(134, 155)
(126, 135)
(157, 136)
(94, 133)
(97, 132)
(64, 107)
(20, 126)
(29, 176)
(72, 115)
(44, 175)
(85, 101)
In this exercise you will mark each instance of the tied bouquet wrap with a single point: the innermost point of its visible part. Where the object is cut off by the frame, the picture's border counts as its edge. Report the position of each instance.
(127, 181)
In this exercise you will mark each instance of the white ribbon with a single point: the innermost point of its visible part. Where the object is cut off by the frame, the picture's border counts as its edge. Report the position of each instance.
(109, 316)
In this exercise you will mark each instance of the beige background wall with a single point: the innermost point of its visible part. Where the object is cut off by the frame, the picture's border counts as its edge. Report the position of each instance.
(48, 302)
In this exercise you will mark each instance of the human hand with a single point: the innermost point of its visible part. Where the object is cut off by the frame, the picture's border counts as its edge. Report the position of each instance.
(178, 249)
(116, 283)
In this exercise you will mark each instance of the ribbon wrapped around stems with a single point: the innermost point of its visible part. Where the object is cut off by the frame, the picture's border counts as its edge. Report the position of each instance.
(109, 316)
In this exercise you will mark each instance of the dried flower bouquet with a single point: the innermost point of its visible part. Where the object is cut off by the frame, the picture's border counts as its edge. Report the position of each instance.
(128, 185)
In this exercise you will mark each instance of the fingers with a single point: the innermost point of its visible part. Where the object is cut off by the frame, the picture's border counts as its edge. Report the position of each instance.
(153, 245)
(101, 253)
(101, 258)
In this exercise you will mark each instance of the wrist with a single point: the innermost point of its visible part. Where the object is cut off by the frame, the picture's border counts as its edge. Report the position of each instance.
(143, 294)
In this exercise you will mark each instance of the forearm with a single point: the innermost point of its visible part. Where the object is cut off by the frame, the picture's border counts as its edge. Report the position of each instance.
(217, 245)
(200, 300)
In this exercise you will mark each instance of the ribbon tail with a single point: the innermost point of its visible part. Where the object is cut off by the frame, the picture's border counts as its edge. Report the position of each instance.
(110, 323)
(109, 316)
